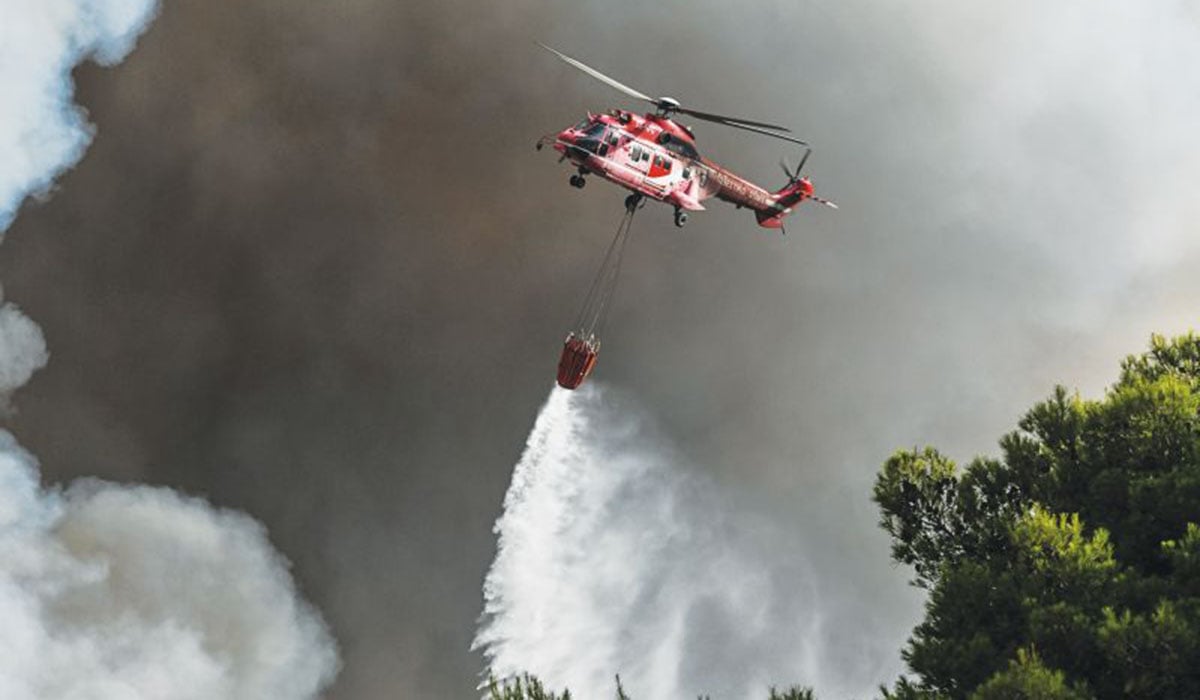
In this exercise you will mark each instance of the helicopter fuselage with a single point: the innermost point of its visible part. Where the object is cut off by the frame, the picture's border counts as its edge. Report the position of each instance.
(656, 157)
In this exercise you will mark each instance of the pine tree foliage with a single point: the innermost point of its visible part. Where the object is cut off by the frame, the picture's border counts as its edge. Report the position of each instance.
(1081, 542)
(528, 687)
(793, 693)
(524, 687)
(1027, 678)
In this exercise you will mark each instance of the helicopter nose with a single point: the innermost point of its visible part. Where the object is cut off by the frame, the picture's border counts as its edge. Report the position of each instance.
(564, 140)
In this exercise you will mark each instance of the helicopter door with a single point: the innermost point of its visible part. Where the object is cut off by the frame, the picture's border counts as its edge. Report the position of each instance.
(608, 142)
(639, 157)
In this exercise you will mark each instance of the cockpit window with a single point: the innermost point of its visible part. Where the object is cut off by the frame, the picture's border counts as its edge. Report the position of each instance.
(589, 140)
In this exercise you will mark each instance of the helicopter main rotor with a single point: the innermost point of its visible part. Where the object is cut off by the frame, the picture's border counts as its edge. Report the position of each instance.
(669, 105)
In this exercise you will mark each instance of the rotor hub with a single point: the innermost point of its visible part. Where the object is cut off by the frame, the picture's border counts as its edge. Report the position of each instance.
(668, 104)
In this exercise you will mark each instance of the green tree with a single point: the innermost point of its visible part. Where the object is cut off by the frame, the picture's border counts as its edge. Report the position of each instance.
(793, 693)
(1079, 542)
(1026, 678)
(528, 687)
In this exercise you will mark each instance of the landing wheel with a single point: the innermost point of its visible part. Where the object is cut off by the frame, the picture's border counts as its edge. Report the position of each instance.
(632, 201)
(578, 182)
(680, 218)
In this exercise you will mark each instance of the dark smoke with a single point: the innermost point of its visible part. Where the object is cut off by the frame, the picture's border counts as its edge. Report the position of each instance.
(112, 591)
(312, 268)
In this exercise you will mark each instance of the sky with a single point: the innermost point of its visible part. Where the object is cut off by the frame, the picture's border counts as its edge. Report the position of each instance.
(311, 268)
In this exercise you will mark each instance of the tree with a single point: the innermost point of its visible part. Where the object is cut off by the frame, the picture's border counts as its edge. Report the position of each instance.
(793, 693)
(524, 687)
(1026, 678)
(528, 687)
(1080, 542)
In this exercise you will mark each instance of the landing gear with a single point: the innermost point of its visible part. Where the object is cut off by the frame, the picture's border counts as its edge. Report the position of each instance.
(577, 182)
(633, 201)
(680, 217)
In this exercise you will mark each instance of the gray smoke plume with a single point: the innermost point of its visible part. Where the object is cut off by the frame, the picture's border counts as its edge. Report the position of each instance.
(112, 592)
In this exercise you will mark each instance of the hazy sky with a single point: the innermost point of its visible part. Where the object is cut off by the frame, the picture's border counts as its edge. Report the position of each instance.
(312, 268)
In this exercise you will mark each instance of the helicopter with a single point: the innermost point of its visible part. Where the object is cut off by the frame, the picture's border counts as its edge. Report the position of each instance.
(655, 157)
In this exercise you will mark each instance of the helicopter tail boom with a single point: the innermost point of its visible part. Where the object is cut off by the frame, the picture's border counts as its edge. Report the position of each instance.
(783, 201)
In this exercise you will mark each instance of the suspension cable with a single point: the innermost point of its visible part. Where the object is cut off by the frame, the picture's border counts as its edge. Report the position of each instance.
(594, 312)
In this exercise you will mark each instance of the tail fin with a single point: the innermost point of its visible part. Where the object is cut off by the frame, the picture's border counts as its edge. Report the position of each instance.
(789, 196)
(786, 198)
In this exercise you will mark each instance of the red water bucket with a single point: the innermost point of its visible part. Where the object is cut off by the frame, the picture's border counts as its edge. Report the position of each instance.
(578, 359)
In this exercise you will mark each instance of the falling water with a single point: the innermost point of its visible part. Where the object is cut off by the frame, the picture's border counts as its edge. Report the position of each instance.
(611, 559)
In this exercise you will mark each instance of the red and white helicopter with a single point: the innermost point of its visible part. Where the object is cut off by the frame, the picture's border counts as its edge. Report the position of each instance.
(654, 156)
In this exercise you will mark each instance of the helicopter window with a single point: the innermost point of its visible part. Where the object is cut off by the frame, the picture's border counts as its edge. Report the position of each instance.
(612, 138)
(590, 139)
(635, 152)
(682, 148)
(645, 155)
(687, 173)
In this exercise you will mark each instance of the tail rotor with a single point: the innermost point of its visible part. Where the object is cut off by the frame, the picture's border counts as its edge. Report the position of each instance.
(794, 177)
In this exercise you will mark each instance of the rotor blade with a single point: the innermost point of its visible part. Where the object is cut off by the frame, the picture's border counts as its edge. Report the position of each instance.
(820, 200)
(721, 119)
(755, 129)
(786, 171)
(600, 76)
(807, 153)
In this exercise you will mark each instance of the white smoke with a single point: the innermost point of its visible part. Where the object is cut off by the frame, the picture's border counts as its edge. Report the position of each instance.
(611, 559)
(22, 349)
(112, 592)
(42, 132)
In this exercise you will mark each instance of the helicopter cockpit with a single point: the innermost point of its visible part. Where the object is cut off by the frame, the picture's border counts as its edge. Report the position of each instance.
(591, 137)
